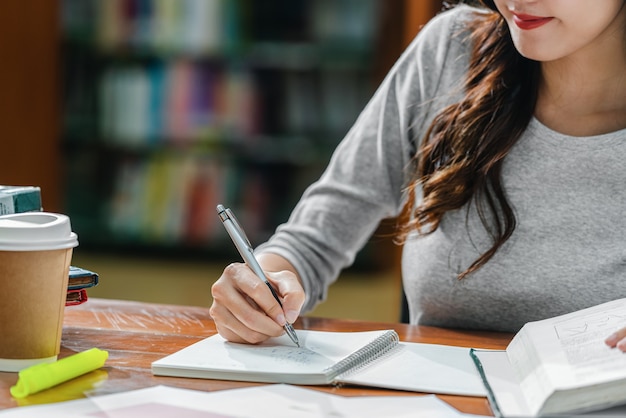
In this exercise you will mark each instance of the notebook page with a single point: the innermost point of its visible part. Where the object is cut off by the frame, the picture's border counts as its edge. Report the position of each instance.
(421, 367)
(277, 360)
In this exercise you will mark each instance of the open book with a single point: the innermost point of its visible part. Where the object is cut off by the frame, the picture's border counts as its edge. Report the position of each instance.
(368, 358)
(558, 365)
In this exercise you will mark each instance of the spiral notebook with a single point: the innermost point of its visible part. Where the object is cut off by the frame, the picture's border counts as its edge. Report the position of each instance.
(367, 358)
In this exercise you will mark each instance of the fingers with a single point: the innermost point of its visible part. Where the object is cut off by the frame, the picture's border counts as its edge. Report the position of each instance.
(244, 310)
(237, 309)
(229, 327)
(291, 293)
(617, 340)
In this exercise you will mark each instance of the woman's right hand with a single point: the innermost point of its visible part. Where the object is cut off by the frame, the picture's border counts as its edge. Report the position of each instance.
(244, 309)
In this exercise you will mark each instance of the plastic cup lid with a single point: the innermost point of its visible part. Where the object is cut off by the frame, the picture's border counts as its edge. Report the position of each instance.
(36, 231)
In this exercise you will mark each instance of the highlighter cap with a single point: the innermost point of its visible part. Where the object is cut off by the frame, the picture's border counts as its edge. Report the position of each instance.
(36, 231)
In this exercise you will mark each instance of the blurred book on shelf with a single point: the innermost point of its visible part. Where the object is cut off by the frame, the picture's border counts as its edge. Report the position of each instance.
(172, 106)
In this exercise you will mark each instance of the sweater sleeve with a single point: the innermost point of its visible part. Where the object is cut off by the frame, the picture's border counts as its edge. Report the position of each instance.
(369, 170)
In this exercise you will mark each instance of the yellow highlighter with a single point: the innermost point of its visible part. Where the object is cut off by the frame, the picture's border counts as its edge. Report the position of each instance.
(46, 375)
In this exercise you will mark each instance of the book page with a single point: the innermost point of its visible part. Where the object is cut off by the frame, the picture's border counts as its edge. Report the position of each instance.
(506, 397)
(582, 340)
(572, 346)
(568, 351)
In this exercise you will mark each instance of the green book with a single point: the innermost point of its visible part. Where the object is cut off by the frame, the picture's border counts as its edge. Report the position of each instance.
(18, 199)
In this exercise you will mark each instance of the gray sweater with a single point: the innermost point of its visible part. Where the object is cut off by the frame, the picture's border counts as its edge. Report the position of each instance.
(567, 252)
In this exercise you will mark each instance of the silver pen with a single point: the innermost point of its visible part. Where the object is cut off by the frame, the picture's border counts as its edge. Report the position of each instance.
(239, 238)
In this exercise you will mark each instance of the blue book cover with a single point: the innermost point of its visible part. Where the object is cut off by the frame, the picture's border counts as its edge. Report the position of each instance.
(81, 278)
(18, 199)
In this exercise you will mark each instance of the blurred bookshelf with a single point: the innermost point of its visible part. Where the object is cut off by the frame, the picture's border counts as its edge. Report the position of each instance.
(169, 107)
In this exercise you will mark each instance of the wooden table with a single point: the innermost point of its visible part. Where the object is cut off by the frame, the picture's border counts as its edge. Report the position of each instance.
(135, 334)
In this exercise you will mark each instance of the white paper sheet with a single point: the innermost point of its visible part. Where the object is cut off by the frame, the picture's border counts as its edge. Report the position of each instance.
(271, 401)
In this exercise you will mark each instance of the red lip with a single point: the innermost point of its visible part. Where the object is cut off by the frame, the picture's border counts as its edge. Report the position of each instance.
(528, 22)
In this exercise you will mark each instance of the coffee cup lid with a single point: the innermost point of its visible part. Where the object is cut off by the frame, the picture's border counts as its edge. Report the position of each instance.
(36, 231)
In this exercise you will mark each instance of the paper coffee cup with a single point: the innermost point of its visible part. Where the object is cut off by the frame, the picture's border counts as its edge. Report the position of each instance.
(35, 256)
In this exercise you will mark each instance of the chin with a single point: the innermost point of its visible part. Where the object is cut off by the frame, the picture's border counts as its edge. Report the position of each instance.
(537, 53)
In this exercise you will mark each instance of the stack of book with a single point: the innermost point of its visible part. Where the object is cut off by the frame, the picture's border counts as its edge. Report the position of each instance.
(19, 199)
(79, 281)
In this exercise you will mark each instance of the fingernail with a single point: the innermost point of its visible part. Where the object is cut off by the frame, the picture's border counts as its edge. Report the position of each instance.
(611, 339)
(280, 319)
(621, 345)
(292, 316)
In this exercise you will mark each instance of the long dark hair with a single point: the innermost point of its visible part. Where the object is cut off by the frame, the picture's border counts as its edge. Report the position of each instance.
(460, 158)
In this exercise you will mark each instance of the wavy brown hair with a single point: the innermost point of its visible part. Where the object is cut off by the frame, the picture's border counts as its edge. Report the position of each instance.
(460, 158)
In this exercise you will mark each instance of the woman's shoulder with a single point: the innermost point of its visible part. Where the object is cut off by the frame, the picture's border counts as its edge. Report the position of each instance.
(447, 35)
(441, 50)
(454, 21)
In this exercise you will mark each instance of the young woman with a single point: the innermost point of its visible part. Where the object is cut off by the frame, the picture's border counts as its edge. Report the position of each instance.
(499, 140)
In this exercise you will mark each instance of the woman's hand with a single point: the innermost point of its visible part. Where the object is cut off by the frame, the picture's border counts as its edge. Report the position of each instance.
(617, 340)
(244, 309)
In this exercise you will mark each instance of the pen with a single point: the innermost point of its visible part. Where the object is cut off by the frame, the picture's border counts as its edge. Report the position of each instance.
(239, 238)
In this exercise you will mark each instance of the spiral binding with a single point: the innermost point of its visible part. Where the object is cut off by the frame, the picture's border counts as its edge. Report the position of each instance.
(364, 356)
